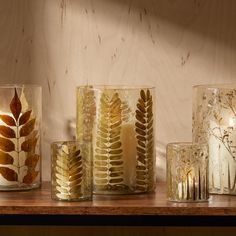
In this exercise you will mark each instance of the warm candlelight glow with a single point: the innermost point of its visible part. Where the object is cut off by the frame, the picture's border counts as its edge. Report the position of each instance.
(187, 172)
(232, 122)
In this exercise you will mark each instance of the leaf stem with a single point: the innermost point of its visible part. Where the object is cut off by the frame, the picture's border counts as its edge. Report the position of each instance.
(17, 150)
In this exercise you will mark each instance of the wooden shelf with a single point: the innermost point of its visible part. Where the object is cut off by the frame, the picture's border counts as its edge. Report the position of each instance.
(37, 204)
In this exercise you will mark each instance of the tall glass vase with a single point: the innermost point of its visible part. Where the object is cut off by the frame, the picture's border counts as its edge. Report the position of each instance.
(214, 122)
(120, 122)
(20, 152)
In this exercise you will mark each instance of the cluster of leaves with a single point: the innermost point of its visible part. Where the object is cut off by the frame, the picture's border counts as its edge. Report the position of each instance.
(68, 173)
(19, 125)
(108, 163)
(145, 138)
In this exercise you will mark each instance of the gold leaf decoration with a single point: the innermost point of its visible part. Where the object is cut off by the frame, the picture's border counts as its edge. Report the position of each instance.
(145, 140)
(126, 111)
(68, 173)
(8, 120)
(7, 132)
(8, 174)
(27, 128)
(6, 145)
(108, 163)
(15, 106)
(25, 117)
(21, 138)
(6, 159)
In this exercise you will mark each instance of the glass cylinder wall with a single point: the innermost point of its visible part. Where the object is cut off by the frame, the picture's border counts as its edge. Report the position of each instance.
(20, 151)
(120, 122)
(214, 122)
(187, 172)
(71, 171)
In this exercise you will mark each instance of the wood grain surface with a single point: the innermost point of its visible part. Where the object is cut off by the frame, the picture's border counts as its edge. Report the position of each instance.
(39, 202)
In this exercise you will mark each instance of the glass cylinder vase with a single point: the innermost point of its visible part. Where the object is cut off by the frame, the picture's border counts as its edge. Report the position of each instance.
(71, 171)
(214, 122)
(20, 151)
(187, 172)
(120, 121)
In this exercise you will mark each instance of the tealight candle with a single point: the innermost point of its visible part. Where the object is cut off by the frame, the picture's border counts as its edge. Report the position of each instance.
(187, 172)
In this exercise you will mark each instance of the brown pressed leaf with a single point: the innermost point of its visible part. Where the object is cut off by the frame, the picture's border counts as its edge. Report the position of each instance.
(30, 177)
(24, 117)
(29, 144)
(27, 128)
(32, 161)
(7, 132)
(8, 174)
(8, 120)
(15, 106)
(5, 158)
(143, 95)
(6, 145)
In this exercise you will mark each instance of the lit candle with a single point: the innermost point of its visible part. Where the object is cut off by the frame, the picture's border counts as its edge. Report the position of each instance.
(187, 188)
(187, 164)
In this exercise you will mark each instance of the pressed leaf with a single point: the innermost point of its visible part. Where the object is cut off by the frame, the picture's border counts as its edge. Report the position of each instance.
(24, 117)
(8, 174)
(7, 132)
(30, 177)
(27, 128)
(6, 159)
(108, 143)
(144, 131)
(68, 172)
(15, 106)
(29, 144)
(32, 160)
(6, 145)
(8, 120)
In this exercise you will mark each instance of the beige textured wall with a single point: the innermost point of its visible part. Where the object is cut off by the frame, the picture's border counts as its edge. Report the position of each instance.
(171, 44)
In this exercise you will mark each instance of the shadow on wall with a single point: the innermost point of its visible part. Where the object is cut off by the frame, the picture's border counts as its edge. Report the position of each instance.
(196, 16)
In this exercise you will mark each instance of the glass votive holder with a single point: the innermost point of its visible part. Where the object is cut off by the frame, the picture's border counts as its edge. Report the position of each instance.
(71, 171)
(20, 143)
(214, 123)
(187, 172)
(120, 122)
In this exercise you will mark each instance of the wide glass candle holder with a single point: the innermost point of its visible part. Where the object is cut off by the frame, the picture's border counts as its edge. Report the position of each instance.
(187, 172)
(20, 152)
(71, 171)
(214, 122)
(120, 122)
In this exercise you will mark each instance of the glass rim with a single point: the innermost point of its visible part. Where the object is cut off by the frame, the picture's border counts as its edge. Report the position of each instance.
(20, 85)
(216, 86)
(116, 87)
